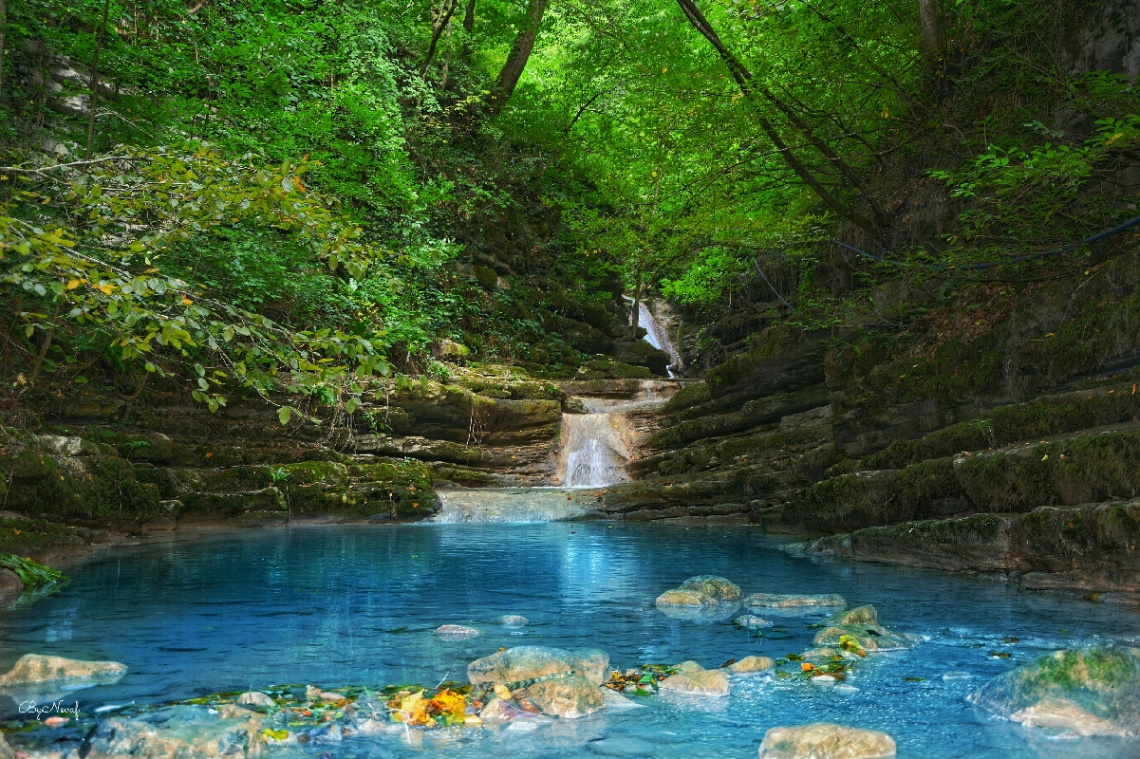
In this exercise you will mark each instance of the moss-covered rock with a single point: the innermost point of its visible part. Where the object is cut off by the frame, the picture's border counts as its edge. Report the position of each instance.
(1087, 691)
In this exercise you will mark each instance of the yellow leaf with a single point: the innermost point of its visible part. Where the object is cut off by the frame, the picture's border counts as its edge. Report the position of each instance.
(1045, 457)
(106, 288)
(74, 283)
(186, 301)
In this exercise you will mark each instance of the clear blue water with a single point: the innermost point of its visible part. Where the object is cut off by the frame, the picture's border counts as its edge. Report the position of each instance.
(357, 605)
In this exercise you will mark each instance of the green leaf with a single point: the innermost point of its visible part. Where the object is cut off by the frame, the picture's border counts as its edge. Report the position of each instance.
(284, 414)
(80, 379)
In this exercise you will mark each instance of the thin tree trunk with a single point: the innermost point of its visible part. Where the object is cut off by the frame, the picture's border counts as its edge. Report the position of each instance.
(516, 61)
(95, 76)
(933, 38)
(748, 85)
(469, 17)
(3, 40)
(436, 33)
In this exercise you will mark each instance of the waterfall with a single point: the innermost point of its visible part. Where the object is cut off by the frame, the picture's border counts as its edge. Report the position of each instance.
(594, 452)
(657, 336)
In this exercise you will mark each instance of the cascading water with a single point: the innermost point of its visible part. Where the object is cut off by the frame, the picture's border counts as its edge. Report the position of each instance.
(657, 336)
(594, 452)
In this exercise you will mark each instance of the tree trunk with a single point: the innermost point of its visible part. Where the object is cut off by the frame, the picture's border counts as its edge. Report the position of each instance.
(436, 33)
(100, 34)
(469, 17)
(516, 61)
(748, 85)
(933, 38)
(3, 39)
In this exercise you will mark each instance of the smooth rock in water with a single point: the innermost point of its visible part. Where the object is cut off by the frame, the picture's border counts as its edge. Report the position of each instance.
(567, 697)
(705, 613)
(530, 662)
(513, 620)
(1087, 691)
(255, 698)
(34, 668)
(179, 732)
(820, 653)
(681, 598)
(861, 625)
(718, 589)
(792, 602)
(456, 631)
(750, 664)
(825, 741)
(751, 622)
(703, 682)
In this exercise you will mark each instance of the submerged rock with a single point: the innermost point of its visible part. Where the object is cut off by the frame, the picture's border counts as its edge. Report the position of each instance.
(179, 732)
(693, 679)
(793, 602)
(568, 697)
(456, 632)
(751, 664)
(1088, 691)
(32, 669)
(751, 622)
(513, 620)
(824, 740)
(522, 663)
(556, 681)
(860, 628)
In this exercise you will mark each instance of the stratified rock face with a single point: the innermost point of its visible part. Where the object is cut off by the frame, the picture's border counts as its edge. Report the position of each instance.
(825, 741)
(860, 627)
(34, 668)
(1088, 691)
(794, 602)
(179, 732)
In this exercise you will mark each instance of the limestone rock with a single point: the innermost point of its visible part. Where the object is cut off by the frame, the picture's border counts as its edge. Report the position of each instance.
(681, 598)
(567, 697)
(36, 668)
(256, 698)
(697, 681)
(793, 602)
(825, 741)
(860, 626)
(516, 665)
(718, 589)
(1087, 691)
(456, 632)
(179, 732)
(751, 664)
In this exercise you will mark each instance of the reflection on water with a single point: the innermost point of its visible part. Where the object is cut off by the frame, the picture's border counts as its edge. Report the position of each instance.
(356, 604)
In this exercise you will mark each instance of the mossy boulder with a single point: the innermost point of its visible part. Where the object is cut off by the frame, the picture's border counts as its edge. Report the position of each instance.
(1087, 691)
(859, 628)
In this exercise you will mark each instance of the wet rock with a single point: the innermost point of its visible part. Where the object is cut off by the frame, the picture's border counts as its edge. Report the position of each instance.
(750, 664)
(717, 589)
(32, 669)
(568, 697)
(825, 741)
(255, 698)
(1088, 691)
(6, 751)
(793, 602)
(614, 700)
(179, 732)
(860, 626)
(513, 620)
(456, 632)
(751, 622)
(524, 663)
(681, 598)
(693, 679)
